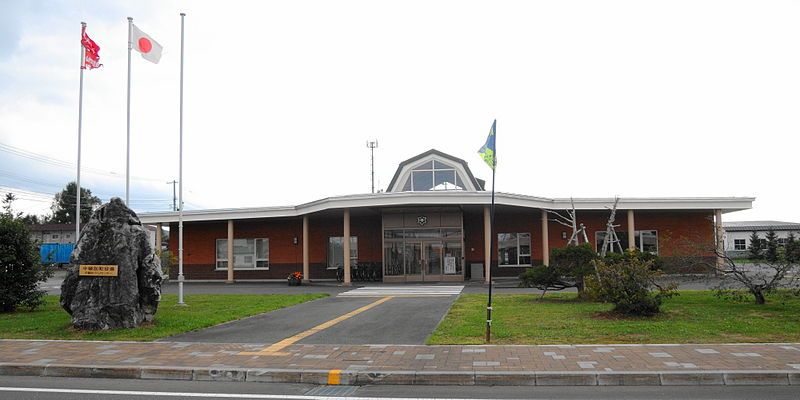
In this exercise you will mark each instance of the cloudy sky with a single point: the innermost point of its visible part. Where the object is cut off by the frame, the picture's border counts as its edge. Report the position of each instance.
(629, 98)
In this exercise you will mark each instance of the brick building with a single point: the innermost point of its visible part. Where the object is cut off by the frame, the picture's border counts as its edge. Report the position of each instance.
(431, 224)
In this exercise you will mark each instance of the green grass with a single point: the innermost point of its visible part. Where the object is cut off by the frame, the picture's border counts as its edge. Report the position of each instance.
(691, 317)
(50, 321)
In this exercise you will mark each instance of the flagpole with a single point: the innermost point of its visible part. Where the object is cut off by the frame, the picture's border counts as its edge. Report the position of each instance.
(128, 142)
(492, 239)
(80, 122)
(180, 182)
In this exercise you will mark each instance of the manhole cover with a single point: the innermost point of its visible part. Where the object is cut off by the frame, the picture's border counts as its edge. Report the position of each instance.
(332, 390)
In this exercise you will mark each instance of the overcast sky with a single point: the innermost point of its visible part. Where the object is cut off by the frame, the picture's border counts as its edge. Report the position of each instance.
(629, 98)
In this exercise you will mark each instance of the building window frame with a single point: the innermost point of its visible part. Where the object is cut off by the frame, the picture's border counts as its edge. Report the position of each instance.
(740, 244)
(260, 259)
(638, 235)
(436, 169)
(523, 257)
(332, 257)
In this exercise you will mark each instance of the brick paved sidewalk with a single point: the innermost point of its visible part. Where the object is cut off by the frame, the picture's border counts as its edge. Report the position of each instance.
(714, 364)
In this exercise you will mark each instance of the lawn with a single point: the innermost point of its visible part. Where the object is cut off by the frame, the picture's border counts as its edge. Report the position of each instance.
(50, 321)
(691, 317)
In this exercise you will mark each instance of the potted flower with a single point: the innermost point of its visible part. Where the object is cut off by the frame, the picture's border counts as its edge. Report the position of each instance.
(295, 278)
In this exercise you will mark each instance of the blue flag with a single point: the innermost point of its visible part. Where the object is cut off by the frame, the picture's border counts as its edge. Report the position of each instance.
(488, 151)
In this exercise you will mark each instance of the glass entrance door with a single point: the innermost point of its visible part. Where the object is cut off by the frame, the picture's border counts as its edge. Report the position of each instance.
(433, 261)
(423, 261)
(414, 261)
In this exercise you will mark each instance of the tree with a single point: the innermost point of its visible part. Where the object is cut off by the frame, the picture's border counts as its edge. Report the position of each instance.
(20, 270)
(571, 221)
(64, 205)
(755, 251)
(771, 250)
(28, 219)
(759, 279)
(568, 268)
(630, 284)
(8, 203)
(33, 219)
(792, 249)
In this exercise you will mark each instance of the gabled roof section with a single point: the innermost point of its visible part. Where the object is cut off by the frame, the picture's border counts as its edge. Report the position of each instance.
(464, 174)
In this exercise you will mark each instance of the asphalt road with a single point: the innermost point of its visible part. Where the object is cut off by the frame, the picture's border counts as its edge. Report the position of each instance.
(386, 323)
(96, 389)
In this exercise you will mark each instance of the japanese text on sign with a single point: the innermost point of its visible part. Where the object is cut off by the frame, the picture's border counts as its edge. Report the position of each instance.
(97, 270)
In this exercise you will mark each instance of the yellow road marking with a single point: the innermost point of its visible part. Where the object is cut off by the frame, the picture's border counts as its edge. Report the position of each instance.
(275, 348)
(334, 376)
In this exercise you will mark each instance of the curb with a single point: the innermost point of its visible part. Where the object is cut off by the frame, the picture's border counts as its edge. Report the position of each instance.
(457, 378)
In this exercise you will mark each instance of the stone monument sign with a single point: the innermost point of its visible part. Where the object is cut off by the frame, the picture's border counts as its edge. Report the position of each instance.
(114, 279)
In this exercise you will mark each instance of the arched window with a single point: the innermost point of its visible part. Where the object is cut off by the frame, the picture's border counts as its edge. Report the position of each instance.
(433, 175)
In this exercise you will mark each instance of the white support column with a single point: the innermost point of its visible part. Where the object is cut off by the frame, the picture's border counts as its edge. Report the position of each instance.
(631, 231)
(306, 268)
(230, 251)
(158, 238)
(545, 239)
(346, 240)
(487, 243)
(720, 238)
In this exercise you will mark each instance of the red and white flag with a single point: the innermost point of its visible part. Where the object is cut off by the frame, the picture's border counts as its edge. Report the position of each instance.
(91, 52)
(143, 43)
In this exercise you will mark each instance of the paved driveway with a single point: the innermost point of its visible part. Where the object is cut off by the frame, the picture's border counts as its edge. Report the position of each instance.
(392, 319)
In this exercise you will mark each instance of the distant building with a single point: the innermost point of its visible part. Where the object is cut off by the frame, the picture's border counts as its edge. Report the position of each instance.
(53, 233)
(65, 233)
(737, 234)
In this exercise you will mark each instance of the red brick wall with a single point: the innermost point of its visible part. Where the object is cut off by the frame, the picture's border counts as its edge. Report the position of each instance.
(284, 256)
(675, 230)
(679, 232)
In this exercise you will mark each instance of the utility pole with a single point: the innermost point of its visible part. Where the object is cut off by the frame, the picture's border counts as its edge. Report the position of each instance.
(372, 145)
(174, 199)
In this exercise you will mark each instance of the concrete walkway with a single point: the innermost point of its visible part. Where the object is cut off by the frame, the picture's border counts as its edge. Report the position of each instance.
(701, 364)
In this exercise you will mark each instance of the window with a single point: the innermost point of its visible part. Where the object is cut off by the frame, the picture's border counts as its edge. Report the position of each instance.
(54, 236)
(514, 249)
(645, 241)
(247, 253)
(782, 242)
(433, 175)
(740, 244)
(336, 251)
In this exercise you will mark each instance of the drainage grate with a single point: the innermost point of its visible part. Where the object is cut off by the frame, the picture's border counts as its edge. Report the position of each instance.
(332, 390)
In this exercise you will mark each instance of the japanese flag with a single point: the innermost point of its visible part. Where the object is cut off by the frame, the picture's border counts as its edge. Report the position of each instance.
(143, 43)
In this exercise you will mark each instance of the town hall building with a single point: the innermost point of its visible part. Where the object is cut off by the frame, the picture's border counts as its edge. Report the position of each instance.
(430, 225)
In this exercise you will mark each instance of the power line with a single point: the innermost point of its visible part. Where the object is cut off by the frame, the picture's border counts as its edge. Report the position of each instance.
(67, 165)
(29, 195)
(57, 189)
(64, 164)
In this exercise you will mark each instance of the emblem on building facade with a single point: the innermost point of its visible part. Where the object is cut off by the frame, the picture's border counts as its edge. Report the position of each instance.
(422, 220)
